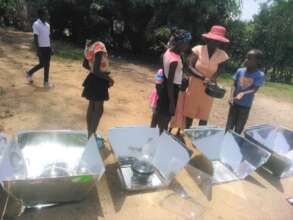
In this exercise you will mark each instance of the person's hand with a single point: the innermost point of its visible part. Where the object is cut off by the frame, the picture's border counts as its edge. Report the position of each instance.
(172, 108)
(231, 100)
(239, 96)
(52, 51)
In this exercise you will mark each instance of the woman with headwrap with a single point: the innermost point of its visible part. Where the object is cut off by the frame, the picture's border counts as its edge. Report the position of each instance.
(173, 74)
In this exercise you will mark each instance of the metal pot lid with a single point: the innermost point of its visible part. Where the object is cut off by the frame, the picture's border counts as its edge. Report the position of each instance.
(143, 167)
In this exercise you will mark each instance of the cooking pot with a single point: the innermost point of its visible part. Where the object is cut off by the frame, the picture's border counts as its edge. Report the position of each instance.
(142, 170)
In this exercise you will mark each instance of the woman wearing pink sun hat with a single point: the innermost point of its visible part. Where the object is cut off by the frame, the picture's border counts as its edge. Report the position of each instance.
(204, 63)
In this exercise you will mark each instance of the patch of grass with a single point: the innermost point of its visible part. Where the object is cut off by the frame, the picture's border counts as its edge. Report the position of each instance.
(279, 91)
(68, 51)
(226, 79)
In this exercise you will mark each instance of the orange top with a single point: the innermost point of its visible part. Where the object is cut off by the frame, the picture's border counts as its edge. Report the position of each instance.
(206, 65)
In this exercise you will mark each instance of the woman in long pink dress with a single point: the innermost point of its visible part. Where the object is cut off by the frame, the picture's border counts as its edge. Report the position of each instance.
(204, 63)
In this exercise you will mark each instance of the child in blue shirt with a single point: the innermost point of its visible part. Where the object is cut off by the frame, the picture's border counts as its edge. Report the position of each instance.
(247, 81)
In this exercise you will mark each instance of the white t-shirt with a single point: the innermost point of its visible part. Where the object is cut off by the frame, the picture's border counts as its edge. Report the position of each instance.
(170, 57)
(43, 31)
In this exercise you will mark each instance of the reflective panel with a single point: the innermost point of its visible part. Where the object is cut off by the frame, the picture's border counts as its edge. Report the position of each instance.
(232, 156)
(278, 141)
(5, 167)
(53, 166)
(165, 153)
(128, 142)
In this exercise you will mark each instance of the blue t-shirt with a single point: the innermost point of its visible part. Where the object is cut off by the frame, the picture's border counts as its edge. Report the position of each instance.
(245, 81)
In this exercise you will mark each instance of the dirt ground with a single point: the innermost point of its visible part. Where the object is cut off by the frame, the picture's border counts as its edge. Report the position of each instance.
(33, 107)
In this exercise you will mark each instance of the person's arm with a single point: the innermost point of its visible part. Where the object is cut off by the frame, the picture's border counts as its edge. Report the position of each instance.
(36, 38)
(242, 94)
(36, 42)
(232, 93)
(257, 84)
(192, 59)
(98, 72)
(170, 87)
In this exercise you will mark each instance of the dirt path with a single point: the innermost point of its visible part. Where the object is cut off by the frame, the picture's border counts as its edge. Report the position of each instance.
(32, 107)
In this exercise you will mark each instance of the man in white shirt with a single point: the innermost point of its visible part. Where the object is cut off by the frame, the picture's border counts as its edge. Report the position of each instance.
(41, 30)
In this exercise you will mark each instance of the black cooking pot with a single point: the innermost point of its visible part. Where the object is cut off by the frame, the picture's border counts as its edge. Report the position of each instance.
(142, 170)
(215, 91)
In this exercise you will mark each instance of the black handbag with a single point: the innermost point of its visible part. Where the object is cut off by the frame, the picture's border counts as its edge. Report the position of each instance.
(215, 91)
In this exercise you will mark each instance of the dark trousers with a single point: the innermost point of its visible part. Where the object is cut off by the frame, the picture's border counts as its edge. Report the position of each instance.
(237, 118)
(44, 62)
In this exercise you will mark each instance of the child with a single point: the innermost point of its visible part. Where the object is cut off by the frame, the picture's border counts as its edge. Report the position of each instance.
(246, 83)
(96, 84)
(159, 78)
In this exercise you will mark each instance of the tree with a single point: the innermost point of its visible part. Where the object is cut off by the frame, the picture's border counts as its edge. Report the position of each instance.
(145, 17)
(7, 11)
(273, 34)
(240, 34)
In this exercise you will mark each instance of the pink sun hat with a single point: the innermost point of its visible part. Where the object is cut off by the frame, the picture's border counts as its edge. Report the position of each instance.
(217, 33)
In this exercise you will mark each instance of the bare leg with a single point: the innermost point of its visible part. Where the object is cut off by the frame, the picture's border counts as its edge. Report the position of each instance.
(97, 115)
(94, 114)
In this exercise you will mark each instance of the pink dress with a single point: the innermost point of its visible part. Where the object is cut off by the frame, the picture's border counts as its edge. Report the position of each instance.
(194, 102)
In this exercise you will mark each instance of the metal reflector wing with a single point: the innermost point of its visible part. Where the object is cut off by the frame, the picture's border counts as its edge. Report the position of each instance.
(232, 156)
(278, 141)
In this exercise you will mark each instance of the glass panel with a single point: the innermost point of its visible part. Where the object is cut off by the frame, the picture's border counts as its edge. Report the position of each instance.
(128, 142)
(208, 141)
(170, 157)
